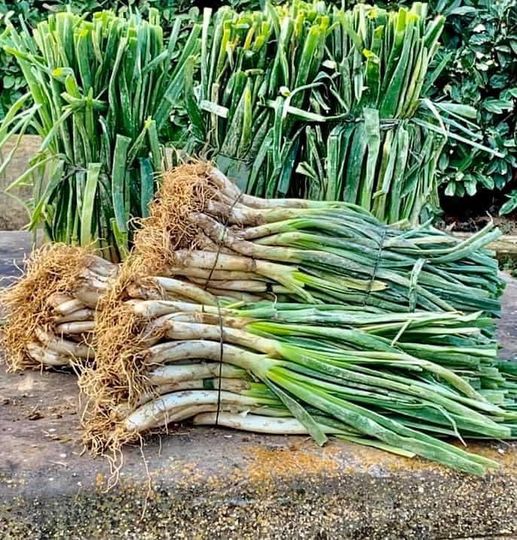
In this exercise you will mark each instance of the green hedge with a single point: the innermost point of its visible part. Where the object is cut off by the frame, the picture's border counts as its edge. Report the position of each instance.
(481, 41)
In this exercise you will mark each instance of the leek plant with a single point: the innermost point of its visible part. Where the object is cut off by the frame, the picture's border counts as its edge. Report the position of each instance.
(313, 101)
(203, 228)
(50, 310)
(101, 91)
(402, 382)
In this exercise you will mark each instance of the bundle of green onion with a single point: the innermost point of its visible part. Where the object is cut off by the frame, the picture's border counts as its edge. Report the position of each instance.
(299, 317)
(204, 229)
(101, 91)
(50, 311)
(400, 382)
(313, 101)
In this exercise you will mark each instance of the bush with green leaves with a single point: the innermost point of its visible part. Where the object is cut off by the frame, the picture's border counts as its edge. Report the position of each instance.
(481, 45)
(12, 83)
(477, 65)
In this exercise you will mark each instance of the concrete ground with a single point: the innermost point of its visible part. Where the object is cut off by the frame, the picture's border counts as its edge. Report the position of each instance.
(214, 483)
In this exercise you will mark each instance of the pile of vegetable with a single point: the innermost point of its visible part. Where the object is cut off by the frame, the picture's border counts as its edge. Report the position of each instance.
(50, 310)
(206, 230)
(277, 316)
(313, 101)
(260, 319)
(101, 92)
(400, 382)
(237, 307)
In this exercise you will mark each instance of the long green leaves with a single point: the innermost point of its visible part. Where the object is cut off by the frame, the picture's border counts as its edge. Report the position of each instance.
(314, 101)
(354, 325)
(103, 89)
(355, 371)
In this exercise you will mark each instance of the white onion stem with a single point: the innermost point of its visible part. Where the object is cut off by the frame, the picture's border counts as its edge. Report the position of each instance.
(186, 331)
(230, 385)
(200, 349)
(79, 315)
(252, 422)
(89, 296)
(58, 298)
(47, 357)
(240, 296)
(204, 274)
(75, 327)
(102, 267)
(63, 346)
(69, 306)
(186, 372)
(151, 309)
(185, 290)
(161, 410)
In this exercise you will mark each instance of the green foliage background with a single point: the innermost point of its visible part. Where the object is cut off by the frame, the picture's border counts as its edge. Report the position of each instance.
(482, 41)
(479, 60)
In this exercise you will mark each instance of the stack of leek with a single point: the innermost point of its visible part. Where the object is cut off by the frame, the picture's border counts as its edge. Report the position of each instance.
(314, 101)
(206, 230)
(50, 310)
(401, 382)
(304, 316)
(101, 91)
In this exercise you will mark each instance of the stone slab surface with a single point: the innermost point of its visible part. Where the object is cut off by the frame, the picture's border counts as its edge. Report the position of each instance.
(14, 246)
(214, 483)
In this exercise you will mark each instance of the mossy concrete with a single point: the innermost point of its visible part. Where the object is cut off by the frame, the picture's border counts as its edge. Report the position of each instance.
(215, 483)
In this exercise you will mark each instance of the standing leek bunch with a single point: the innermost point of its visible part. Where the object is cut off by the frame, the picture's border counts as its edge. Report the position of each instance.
(240, 111)
(102, 89)
(385, 158)
(317, 102)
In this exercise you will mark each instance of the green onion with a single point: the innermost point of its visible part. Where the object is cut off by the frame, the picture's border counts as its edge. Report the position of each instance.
(312, 311)
(102, 89)
(313, 101)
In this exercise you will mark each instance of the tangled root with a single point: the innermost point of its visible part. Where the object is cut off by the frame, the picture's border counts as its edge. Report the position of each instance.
(184, 191)
(51, 270)
(121, 336)
(119, 376)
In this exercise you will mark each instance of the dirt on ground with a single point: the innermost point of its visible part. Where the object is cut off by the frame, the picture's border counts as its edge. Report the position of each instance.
(458, 223)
